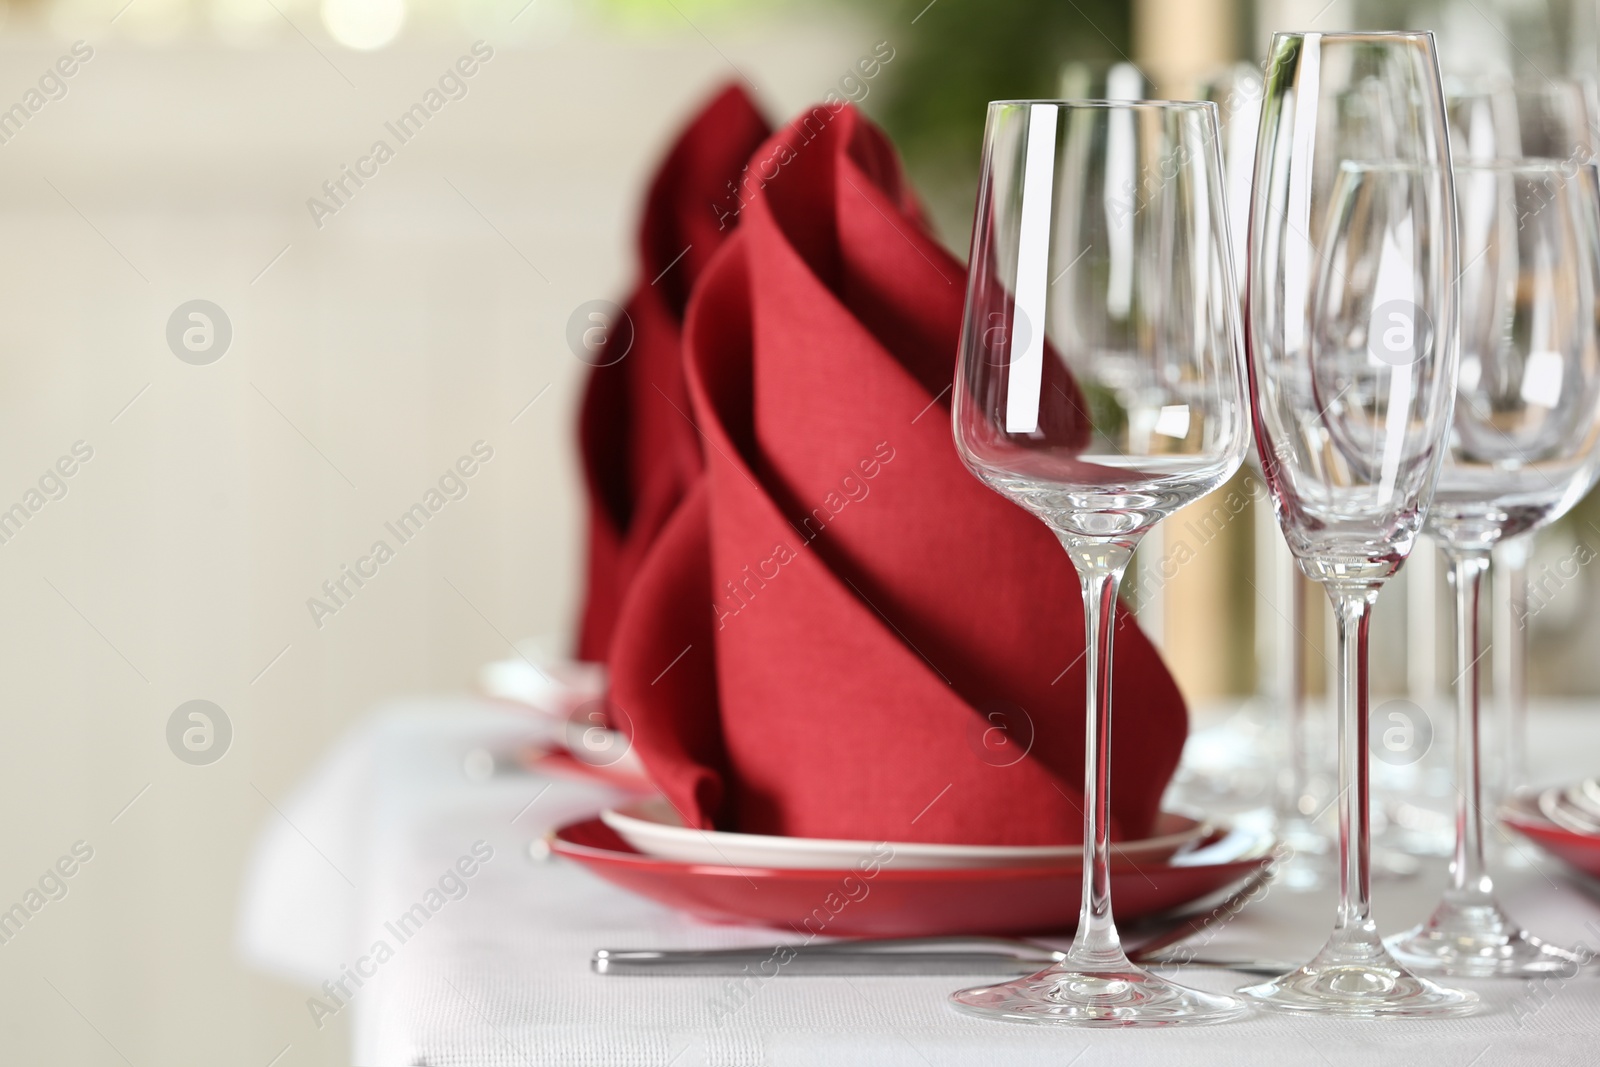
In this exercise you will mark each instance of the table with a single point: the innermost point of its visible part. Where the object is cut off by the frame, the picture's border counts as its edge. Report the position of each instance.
(499, 973)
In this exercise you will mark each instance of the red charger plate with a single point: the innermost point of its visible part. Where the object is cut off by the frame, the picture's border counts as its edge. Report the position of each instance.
(1578, 850)
(892, 902)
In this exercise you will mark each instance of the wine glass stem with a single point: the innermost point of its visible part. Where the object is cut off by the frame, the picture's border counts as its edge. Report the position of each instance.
(1511, 658)
(1353, 607)
(1101, 564)
(1469, 881)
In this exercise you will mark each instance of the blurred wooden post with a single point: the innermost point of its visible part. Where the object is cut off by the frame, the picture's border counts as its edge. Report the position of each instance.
(1179, 43)
(1423, 643)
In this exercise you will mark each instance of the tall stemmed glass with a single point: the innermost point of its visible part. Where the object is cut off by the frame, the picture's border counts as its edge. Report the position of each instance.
(1352, 310)
(1552, 118)
(1526, 448)
(1100, 387)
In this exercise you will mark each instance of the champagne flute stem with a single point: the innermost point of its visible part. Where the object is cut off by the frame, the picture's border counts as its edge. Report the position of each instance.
(1101, 564)
(1469, 877)
(1353, 608)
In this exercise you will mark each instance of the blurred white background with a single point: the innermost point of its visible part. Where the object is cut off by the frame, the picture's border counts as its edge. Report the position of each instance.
(366, 357)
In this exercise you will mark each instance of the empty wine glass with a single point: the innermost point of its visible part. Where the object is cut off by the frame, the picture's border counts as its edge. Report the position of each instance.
(1552, 118)
(1533, 118)
(1352, 308)
(1525, 449)
(1100, 387)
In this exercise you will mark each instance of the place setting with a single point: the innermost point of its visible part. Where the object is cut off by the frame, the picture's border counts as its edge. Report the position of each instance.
(920, 755)
(865, 533)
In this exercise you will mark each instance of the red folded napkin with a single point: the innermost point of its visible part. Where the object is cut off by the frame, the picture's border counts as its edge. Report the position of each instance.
(639, 452)
(841, 632)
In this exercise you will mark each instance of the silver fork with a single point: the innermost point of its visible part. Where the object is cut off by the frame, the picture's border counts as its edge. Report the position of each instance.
(927, 955)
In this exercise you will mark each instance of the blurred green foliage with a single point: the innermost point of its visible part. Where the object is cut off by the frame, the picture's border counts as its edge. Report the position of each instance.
(960, 54)
(954, 56)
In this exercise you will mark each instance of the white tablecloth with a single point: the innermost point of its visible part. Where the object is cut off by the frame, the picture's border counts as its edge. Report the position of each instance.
(498, 973)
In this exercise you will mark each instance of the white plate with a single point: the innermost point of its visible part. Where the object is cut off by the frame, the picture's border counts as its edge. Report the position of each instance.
(654, 828)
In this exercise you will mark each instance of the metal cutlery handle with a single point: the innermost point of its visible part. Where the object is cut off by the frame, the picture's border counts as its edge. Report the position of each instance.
(925, 955)
(773, 960)
(844, 959)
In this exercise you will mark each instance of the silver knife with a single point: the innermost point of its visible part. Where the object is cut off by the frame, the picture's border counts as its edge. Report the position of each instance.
(926, 955)
(888, 957)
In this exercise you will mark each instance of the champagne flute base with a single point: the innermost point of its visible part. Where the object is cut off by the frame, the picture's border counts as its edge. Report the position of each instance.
(1356, 978)
(1480, 941)
(1119, 996)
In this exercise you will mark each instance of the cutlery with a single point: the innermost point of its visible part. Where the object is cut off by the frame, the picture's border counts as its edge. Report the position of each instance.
(954, 956)
(925, 955)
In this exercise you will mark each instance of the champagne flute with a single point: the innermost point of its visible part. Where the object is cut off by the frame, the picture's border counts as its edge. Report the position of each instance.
(1352, 310)
(1526, 448)
(1100, 387)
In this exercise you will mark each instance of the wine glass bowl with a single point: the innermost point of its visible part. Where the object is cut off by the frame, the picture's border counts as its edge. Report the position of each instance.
(1100, 387)
(1350, 401)
(1525, 435)
(1085, 391)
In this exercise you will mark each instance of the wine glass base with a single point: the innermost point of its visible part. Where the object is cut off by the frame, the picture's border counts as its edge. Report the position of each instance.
(1123, 996)
(1359, 981)
(1480, 941)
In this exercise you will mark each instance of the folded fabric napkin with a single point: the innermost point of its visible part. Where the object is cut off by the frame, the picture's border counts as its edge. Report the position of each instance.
(840, 632)
(639, 450)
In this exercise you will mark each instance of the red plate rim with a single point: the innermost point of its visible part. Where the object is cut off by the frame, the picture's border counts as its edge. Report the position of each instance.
(1537, 826)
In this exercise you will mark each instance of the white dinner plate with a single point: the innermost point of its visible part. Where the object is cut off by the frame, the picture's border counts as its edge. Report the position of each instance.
(654, 828)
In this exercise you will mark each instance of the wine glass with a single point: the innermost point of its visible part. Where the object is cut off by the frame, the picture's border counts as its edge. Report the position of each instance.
(1534, 118)
(1352, 310)
(1553, 118)
(1525, 449)
(1100, 387)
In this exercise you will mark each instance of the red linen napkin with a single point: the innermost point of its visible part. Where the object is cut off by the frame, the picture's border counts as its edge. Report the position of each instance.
(640, 453)
(841, 632)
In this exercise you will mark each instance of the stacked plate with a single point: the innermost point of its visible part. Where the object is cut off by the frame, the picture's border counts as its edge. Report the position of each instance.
(1564, 820)
(897, 889)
